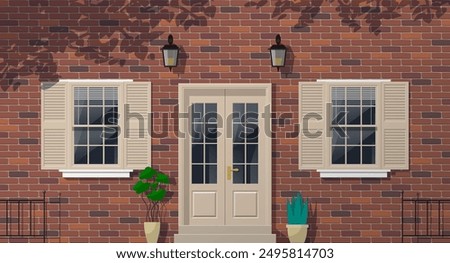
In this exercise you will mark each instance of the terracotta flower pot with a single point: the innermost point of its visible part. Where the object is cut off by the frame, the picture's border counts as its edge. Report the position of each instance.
(297, 233)
(151, 230)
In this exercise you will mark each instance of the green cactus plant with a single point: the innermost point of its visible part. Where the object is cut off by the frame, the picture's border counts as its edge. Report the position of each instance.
(297, 210)
(150, 188)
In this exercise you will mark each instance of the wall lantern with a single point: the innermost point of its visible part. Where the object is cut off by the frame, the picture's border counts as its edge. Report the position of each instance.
(170, 54)
(278, 53)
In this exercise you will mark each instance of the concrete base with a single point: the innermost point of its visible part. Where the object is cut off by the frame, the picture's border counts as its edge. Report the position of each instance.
(225, 234)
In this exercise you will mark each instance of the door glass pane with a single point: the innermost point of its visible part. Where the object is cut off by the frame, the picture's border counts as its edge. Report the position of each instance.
(238, 177)
(204, 143)
(238, 153)
(211, 174)
(197, 174)
(252, 174)
(252, 132)
(211, 153)
(197, 153)
(238, 132)
(252, 153)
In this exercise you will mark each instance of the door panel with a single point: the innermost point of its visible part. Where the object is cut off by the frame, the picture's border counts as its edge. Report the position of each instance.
(244, 192)
(206, 170)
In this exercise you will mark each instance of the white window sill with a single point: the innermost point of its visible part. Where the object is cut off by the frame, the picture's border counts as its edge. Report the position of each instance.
(122, 173)
(354, 173)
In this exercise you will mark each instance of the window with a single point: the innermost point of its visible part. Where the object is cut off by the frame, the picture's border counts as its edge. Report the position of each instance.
(95, 128)
(353, 128)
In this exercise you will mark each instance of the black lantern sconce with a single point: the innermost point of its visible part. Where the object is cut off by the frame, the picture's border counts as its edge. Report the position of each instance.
(278, 53)
(170, 54)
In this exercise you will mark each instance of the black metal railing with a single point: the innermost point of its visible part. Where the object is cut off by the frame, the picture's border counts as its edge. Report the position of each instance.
(425, 218)
(28, 217)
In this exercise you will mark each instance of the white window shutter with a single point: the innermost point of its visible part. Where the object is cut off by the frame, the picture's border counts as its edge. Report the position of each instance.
(53, 125)
(136, 125)
(395, 125)
(312, 107)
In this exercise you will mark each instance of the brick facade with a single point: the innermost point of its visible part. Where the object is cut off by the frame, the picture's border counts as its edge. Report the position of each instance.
(227, 42)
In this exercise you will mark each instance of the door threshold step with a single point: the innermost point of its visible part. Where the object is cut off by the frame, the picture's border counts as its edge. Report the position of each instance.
(225, 238)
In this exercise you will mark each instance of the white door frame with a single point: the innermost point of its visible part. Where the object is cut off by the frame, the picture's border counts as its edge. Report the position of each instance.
(186, 90)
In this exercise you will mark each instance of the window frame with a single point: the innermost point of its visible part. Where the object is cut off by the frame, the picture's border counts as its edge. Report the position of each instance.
(392, 122)
(70, 102)
(378, 128)
(57, 133)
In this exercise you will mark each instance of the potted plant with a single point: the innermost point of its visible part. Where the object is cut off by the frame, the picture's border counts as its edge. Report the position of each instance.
(150, 187)
(297, 217)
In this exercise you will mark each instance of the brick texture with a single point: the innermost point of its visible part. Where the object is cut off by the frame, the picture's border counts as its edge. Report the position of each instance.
(224, 42)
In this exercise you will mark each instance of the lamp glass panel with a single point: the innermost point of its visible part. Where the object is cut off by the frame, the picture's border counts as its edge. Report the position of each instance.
(170, 57)
(278, 56)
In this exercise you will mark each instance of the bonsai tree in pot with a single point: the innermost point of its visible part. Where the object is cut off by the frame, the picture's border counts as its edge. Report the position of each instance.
(297, 217)
(150, 186)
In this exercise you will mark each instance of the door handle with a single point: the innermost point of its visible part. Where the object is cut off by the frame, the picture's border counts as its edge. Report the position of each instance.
(230, 170)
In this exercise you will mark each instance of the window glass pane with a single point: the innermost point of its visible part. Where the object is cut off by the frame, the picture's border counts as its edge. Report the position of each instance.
(238, 177)
(111, 135)
(338, 115)
(80, 96)
(252, 174)
(211, 132)
(338, 136)
(252, 153)
(368, 115)
(197, 174)
(111, 116)
(368, 136)
(238, 112)
(354, 136)
(95, 136)
(338, 154)
(111, 96)
(80, 115)
(111, 155)
(211, 174)
(197, 153)
(95, 155)
(368, 96)
(95, 96)
(197, 134)
(353, 96)
(211, 153)
(338, 96)
(80, 155)
(353, 115)
(80, 135)
(95, 115)
(238, 133)
(353, 154)
(252, 131)
(368, 155)
(238, 153)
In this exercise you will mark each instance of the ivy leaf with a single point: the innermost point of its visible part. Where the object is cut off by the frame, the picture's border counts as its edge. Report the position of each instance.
(141, 187)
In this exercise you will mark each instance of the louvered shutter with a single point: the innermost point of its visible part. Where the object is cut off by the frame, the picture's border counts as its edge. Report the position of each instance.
(312, 105)
(136, 130)
(395, 126)
(53, 125)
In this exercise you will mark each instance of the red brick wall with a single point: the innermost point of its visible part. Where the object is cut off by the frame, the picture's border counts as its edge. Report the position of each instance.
(225, 41)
